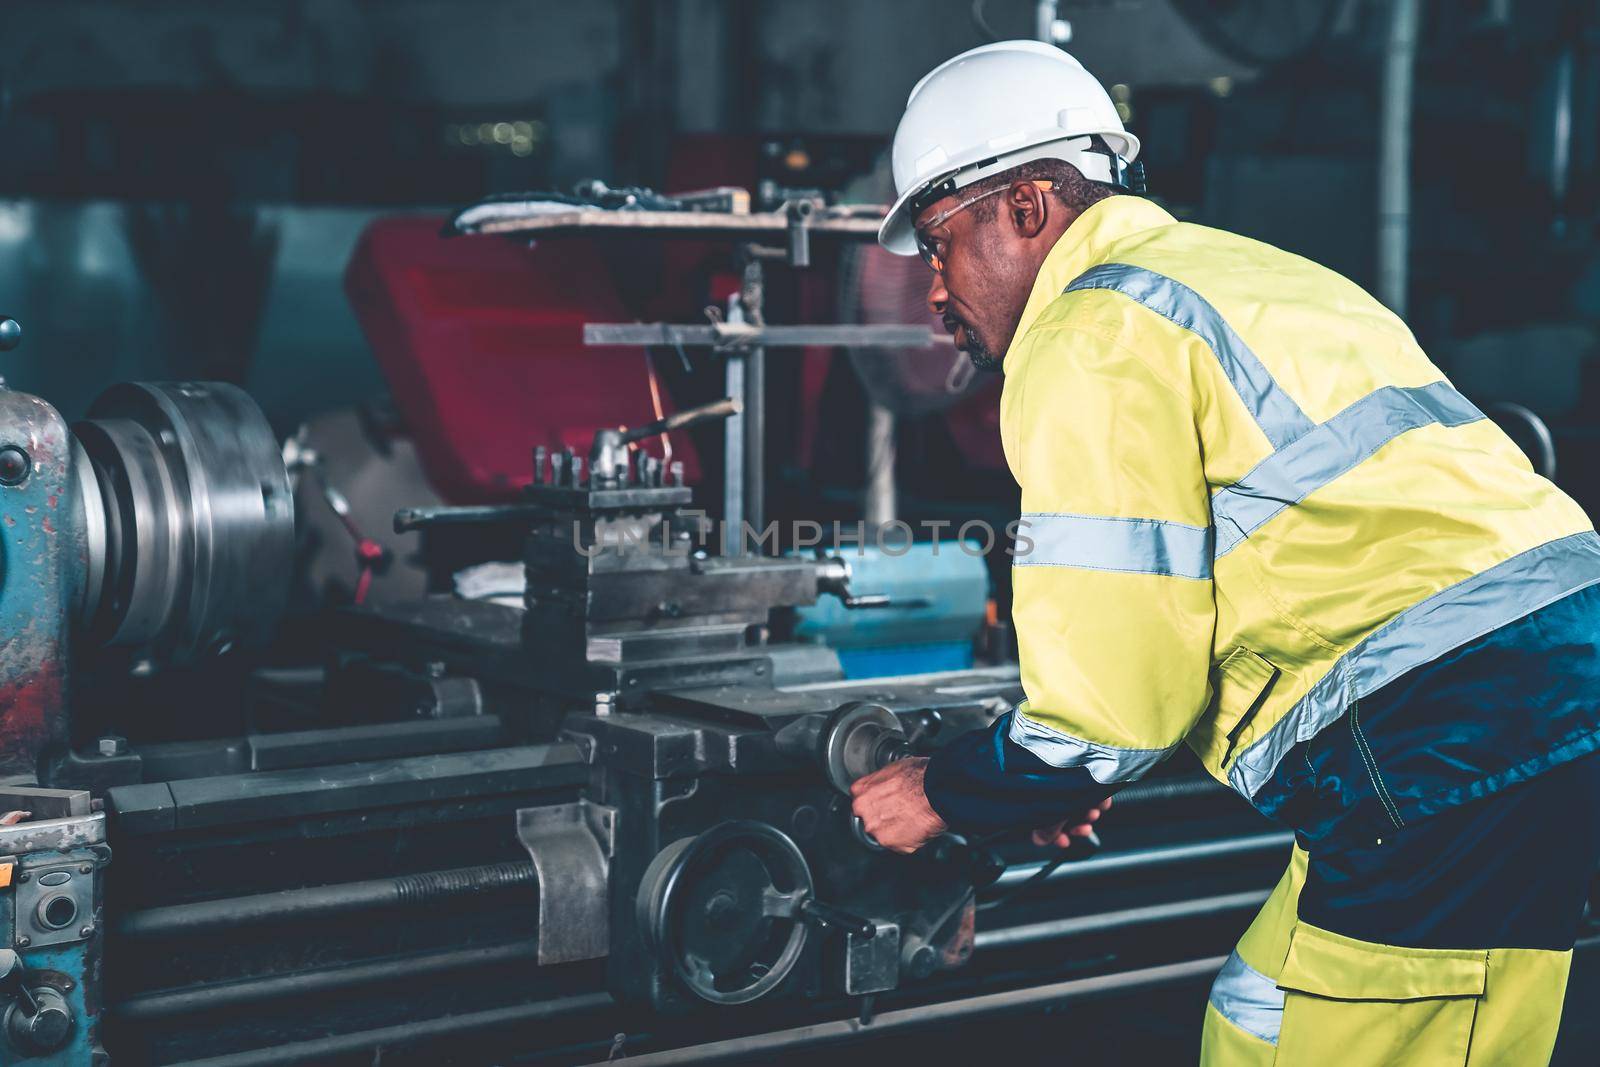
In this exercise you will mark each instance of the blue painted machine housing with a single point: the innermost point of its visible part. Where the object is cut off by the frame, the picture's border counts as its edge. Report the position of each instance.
(938, 596)
(54, 861)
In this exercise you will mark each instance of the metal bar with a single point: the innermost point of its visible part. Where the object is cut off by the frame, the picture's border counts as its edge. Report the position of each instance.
(321, 1050)
(755, 442)
(733, 514)
(1164, 789)
(1079, 925)
(879, 505)
(836, 1032)
(737, 335)
(678, 420)
(390, 740)
(752, 300)
(1394, 154)
(160, 807)
(407, 519)
(1142, 859)
(757, 225)
(59, 835)
(754, 1048)
(321, 902)
(229, 996)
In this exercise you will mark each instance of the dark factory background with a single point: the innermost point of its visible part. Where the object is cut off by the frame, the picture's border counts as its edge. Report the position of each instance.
(184, 183)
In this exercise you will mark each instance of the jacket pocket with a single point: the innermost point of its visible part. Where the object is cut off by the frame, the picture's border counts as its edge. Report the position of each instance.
(1348, 1001)
(1239, 687)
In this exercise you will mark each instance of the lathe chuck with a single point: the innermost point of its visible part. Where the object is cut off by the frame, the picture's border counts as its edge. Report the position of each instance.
(188, 519)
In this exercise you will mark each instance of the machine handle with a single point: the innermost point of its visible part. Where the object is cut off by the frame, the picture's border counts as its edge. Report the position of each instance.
(833, 576)
(859, 829)
(826, 917)
(882, 600)
(408, 519)
(14, 979)
(717, 409)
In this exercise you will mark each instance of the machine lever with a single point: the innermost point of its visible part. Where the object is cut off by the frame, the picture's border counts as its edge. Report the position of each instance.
(608, 455)
(408, 519)
(833, 576)
(718, 409)
(882, 600)
(826, 917)
(14, 980)
(39, 1020)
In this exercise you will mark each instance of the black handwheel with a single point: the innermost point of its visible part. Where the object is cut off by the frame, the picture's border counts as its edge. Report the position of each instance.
(724, 910)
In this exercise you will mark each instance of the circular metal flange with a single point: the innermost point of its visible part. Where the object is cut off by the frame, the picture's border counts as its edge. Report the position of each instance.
(43, 1031)
(189, 516)
(722, 910)
(859, 739)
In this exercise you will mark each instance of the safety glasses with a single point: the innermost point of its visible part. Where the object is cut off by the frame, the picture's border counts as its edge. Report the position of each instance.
(933, 249)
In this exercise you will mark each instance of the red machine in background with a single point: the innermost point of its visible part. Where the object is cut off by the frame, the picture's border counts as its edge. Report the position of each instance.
(480, 339)
(482, 345)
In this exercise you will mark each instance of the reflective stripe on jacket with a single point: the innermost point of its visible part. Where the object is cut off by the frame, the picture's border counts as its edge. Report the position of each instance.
(1250, 500)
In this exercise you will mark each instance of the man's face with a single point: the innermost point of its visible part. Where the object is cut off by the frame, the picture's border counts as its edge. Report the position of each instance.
(984, 273)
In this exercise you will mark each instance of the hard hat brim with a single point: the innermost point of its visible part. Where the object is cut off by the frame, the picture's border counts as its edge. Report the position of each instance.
(898, 234)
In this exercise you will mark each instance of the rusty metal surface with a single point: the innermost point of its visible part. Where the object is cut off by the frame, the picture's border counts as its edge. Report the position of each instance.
(53, 835)
(42, 554)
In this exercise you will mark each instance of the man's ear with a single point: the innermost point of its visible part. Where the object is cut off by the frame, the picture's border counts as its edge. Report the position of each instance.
(1027, 208)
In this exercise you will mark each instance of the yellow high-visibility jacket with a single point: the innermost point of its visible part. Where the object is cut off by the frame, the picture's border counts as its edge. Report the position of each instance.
(1249, 500)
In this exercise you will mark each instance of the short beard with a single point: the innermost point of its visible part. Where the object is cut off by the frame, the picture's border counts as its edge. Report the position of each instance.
(981, 357)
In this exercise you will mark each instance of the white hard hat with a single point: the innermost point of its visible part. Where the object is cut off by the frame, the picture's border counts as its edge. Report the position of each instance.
(989, 110)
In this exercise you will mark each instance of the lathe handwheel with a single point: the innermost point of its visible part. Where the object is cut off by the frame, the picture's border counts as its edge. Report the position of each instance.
(859, 739)
(721, 910)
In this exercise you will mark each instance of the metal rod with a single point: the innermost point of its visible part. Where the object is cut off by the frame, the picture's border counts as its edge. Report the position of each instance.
(717, 409)
(1561, 137)
(736, 1049)
(732, 335)
(1079, 925)
(1161, 790)
(733, 462)
(879, 506)
(227, 996)
(1143, 859)
(754, 1048)
(321, 1050)
(752, 302)
(1394, 155)
(318, 902)
(407, 519)
(861, 223)
(755, 441)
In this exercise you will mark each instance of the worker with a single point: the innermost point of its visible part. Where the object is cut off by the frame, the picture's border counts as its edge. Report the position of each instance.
(1262, 524)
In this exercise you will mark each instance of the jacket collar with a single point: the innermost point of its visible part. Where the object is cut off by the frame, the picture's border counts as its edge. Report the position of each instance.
(1085, 244)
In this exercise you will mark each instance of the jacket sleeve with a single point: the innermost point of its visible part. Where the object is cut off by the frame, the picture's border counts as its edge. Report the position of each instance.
(1111, 581)
(983, 782)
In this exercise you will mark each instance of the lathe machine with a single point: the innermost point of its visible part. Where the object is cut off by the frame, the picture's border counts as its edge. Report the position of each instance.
(613, 820)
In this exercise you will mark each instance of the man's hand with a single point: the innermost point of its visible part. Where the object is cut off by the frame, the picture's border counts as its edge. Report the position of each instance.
(1061, 835)
(893, 808)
